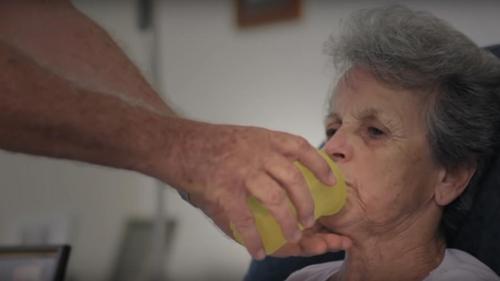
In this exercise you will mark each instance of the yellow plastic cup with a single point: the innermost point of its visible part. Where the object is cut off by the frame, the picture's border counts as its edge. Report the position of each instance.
(327, 201)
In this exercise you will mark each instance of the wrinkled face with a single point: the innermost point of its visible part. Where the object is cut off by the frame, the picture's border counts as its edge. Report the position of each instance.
(377, 136)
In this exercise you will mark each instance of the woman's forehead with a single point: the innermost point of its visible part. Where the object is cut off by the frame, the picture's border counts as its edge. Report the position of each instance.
(363, 97)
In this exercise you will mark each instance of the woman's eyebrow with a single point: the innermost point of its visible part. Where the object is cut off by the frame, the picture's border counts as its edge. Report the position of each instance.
(370, 113)
(366, 114)
(374, 114)
(332, 117)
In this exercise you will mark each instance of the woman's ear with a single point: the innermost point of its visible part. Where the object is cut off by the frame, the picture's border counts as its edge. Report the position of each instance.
(452, 182)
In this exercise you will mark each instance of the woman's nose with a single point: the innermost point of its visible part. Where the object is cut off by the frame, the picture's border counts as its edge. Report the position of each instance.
(338, 147)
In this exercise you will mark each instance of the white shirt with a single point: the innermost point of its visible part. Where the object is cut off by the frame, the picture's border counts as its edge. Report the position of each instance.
(457, 265)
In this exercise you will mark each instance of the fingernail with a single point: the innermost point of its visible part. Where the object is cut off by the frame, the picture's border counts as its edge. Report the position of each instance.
(331, 179)
(260, 255)
(346, 244)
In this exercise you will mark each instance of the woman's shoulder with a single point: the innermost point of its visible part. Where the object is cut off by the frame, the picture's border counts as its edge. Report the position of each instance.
(458, 265)
(316, 272)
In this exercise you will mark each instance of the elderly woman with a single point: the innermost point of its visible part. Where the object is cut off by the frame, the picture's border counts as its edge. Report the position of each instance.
(412, 117)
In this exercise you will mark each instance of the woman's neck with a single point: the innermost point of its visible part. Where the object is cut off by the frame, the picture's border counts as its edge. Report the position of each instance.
(407, 252)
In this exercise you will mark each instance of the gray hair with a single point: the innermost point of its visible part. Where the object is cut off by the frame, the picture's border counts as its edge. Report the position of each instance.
(459, 82)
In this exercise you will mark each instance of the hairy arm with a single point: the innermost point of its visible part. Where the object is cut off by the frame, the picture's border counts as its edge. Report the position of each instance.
(65, 42)
(42, 113)
(68, 91)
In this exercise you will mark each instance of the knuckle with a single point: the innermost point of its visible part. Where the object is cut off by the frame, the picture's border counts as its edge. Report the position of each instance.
(244, 221)
(295, 177)
(302, 143)
(248, 182)
(275, 197)
(267, 164)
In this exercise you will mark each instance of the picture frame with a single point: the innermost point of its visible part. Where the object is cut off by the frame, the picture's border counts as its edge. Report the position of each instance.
(258, 12)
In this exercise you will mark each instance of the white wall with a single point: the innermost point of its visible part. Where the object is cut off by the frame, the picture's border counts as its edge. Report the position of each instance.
(273, 76)
(87, 204)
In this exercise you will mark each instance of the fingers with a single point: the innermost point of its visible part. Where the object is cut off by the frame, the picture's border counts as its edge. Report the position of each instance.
(301, 150)
(255, 162)
(334, 242)
(275, 200)
(315, 244)
(293, 181)
(321, 243)
(238, 213)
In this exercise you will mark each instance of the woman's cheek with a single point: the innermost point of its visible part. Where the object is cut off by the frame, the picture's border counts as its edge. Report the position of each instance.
(378, 206)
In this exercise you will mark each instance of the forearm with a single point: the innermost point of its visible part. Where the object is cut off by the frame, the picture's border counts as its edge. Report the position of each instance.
(42, 113)
(63, 40)
(67, 90)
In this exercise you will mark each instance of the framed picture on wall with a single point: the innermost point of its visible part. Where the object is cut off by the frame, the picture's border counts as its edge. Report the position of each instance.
(257, 12)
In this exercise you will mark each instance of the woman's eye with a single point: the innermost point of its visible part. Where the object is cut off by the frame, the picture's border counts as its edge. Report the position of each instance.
(375, 132)
(330, 132)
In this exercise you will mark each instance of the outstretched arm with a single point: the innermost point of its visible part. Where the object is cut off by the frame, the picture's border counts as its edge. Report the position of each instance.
(68, 91)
